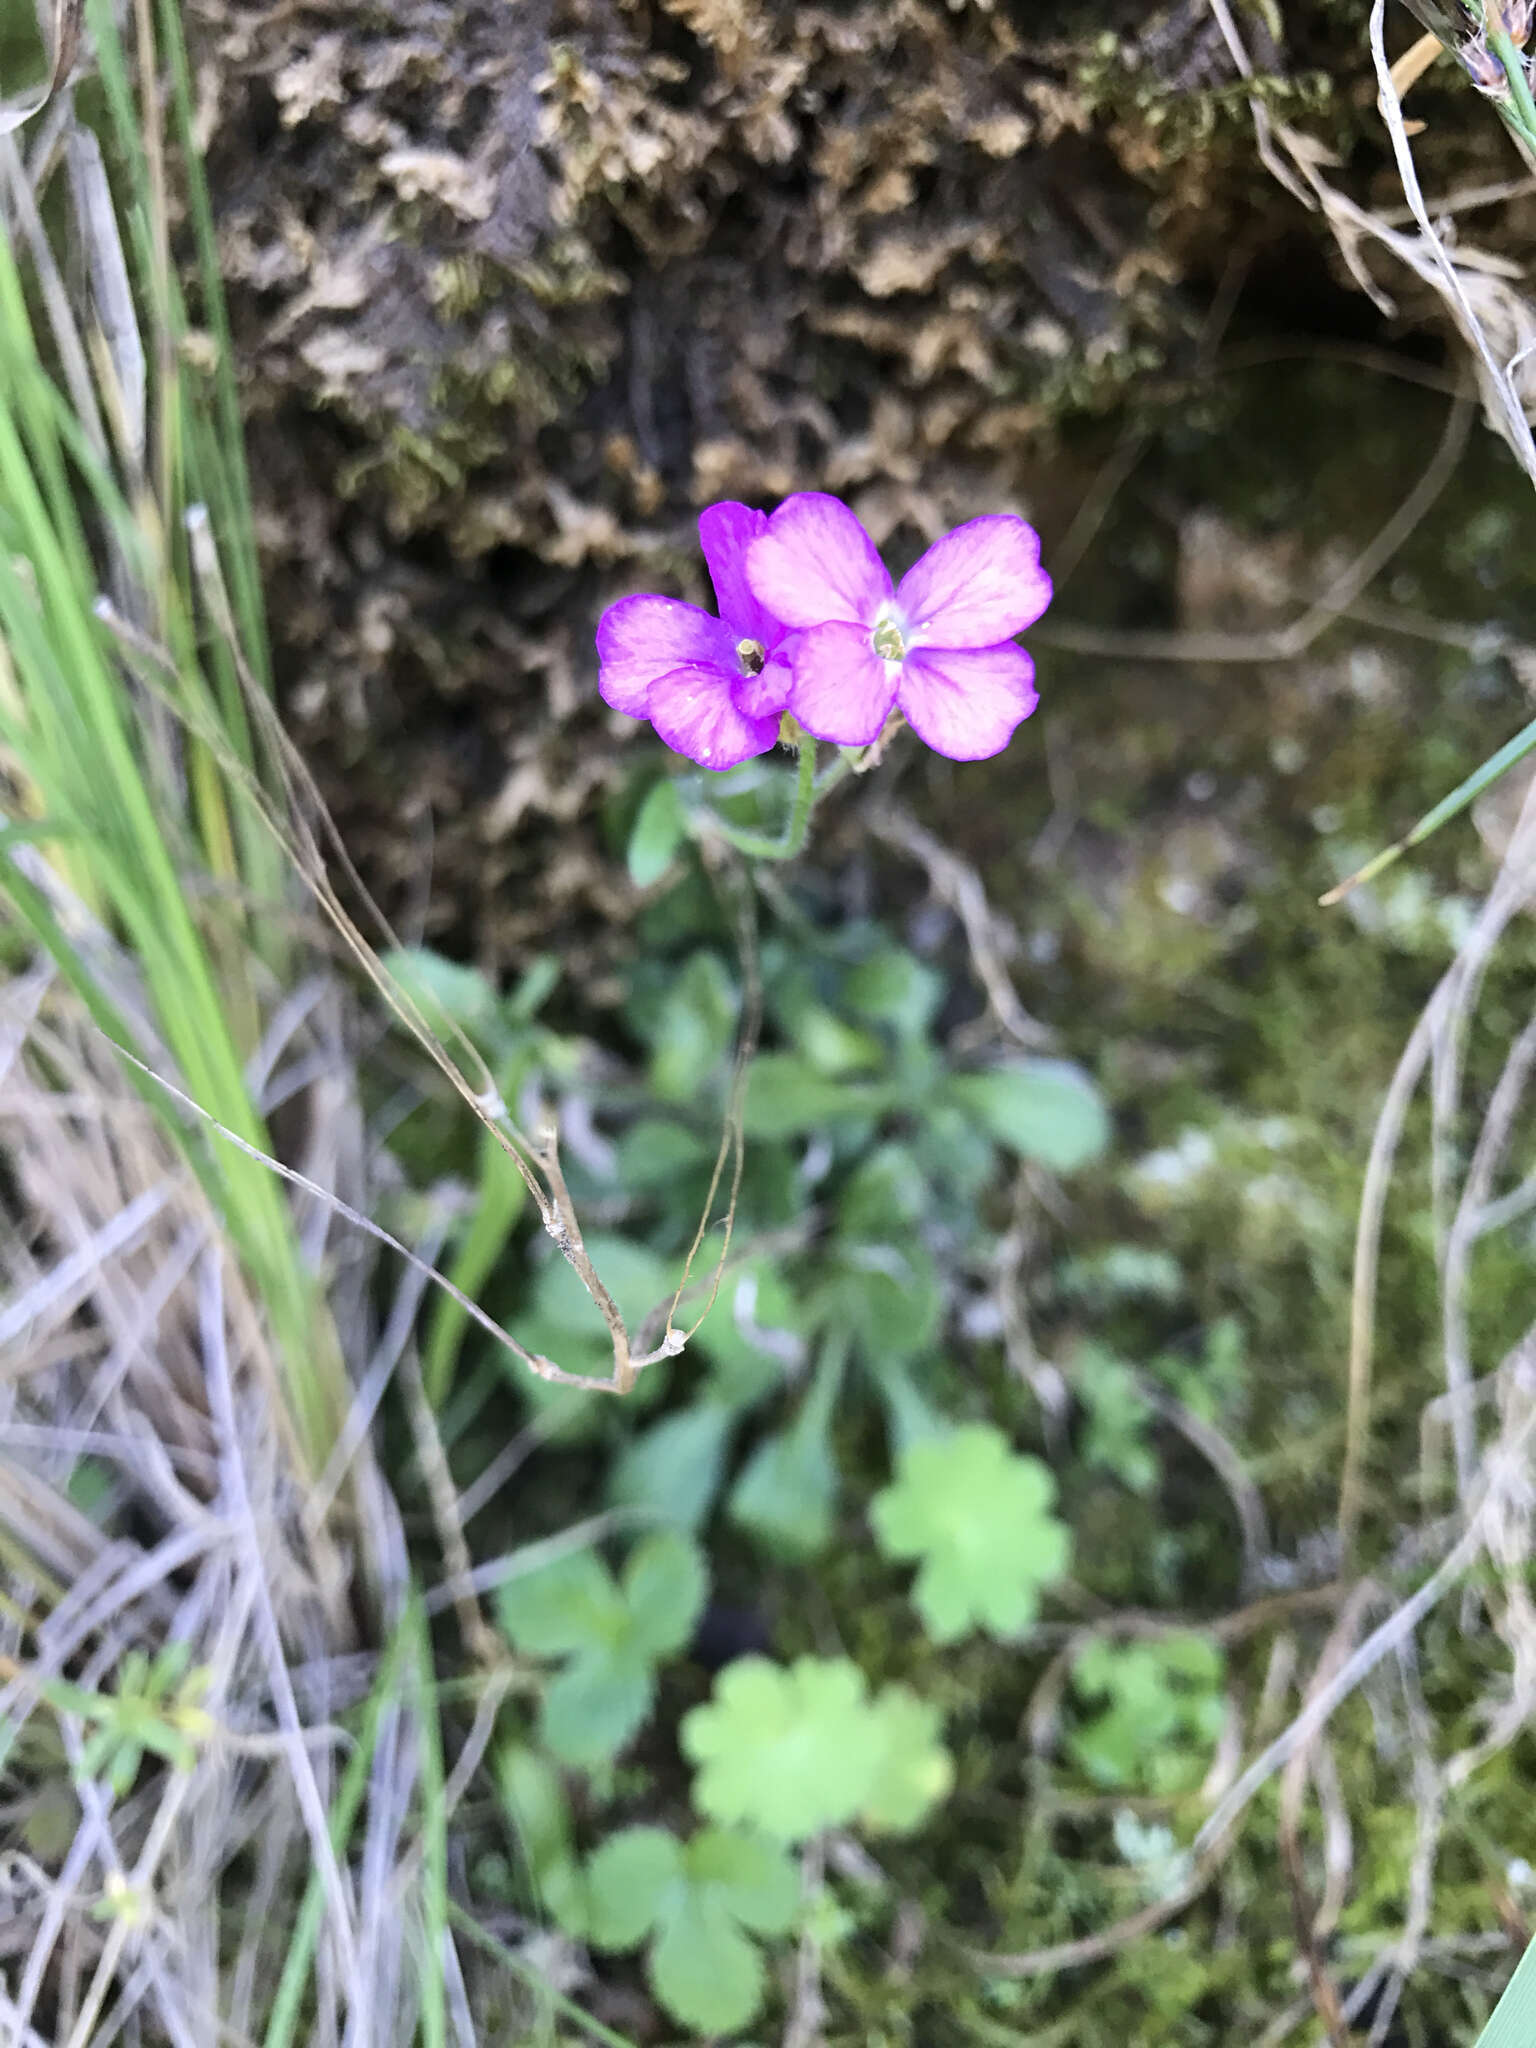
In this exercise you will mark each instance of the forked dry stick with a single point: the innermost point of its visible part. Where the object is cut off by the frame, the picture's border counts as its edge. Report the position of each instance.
(536, 1160)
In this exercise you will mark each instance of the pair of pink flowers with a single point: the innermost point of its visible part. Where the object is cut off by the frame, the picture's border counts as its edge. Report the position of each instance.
(810, 624)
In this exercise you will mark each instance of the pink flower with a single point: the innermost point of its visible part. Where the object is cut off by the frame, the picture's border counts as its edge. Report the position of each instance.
(939, 647)
(713, 688)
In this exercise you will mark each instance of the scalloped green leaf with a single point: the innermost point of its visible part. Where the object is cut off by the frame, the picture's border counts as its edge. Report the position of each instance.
(913, 1769)
(978, 1519)
(782, 1750)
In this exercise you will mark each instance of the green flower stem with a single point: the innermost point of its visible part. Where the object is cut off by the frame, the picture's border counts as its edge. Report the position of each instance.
(1521, 111)
(758, 844)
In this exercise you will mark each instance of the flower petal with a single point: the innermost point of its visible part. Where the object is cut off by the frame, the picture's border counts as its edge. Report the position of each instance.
(692, 710)
(766, 694)
(640, 638)
(978, 585)
(843, 691)
(966, 701)
(725, 533)
(816, 563)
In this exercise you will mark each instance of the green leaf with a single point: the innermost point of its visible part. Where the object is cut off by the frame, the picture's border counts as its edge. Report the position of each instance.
(535, 985)
(534, 1801)
(569, 1604)
(829, 1045)
(751, 1336)
(703, 1969)
(788, 1489)
(786, 1097)
(786, 1751)
(1162, 1714)
(692, 1028)
(1513, 2022)
(626, 1879)
(910, 1415)
(913, 1769)
(979, 1519)
(1119, 1414)
(953, 1149)
(664, 1587)
(760, 1884)
(438, 985)
(673, 1468)
(654, 1155)
(883, 1198)
(887, 1297)
(634, 1275)
(1045, 1110)
(1498, 763)
(894, 987)
(610, 1637)
(785, 1496)
(596, 1706)
(697, 1899)
(660, 827)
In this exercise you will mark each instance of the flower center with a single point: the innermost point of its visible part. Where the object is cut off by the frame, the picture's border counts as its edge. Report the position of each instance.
(751, 654)
(887, 641)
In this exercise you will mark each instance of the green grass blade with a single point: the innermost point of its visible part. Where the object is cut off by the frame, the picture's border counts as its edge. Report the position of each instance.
(1513, 2024)
(1463, 794)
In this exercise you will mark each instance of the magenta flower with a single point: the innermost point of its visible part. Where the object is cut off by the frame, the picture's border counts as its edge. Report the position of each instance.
(713, 688)
(939, 647)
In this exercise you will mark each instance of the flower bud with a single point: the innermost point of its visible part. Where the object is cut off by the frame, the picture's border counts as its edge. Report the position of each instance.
(1484, 69)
